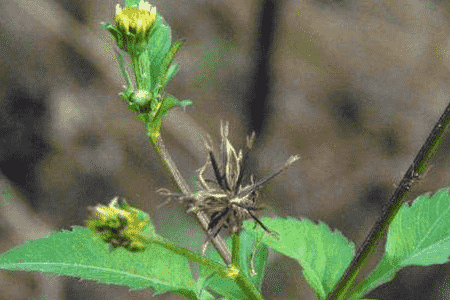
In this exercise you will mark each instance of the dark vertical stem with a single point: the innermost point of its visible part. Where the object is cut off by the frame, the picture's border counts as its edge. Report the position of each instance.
(379, 230)
(258, 108)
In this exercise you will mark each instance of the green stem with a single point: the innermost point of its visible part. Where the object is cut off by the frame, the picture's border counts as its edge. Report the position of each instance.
(136, 70)
(379, 230)
(247, 287)
(141, 68)
(236, 251)
(241, 280)
(207, 263)
(170, 165)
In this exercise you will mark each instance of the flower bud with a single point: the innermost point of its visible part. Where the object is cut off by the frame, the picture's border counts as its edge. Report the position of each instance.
(133, 27)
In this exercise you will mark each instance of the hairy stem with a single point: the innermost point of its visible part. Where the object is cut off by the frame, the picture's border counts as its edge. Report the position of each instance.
(379, 230)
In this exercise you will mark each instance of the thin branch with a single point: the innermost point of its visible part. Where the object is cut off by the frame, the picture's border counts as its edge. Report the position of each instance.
(217, 241)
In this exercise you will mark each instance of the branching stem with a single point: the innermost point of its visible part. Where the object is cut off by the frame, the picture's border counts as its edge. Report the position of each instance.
(167, 161)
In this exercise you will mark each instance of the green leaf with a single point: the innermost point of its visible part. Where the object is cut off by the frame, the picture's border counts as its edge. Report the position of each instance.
(419, 235)
(226, 286)
(159, 45)
(323, 254)
(165, 76)
(171, 72)
(79, 253)
(129, 85)
(115, 33)
(205, 295)
(129, 3)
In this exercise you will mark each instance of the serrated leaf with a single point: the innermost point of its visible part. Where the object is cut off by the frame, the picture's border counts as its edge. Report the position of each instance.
(78, 253)
(323, 254)
(419, 235)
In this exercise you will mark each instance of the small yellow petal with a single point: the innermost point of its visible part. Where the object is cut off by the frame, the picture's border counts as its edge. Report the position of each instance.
(153, 12)
(144, 5)
(118, 9)
(232, 271)
(126, 23)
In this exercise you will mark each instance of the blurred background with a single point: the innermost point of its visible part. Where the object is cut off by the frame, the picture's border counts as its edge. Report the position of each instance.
(353, 87)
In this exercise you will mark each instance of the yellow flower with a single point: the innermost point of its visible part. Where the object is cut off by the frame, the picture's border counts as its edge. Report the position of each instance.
(232, 271)
(119, 225)
(136, 20)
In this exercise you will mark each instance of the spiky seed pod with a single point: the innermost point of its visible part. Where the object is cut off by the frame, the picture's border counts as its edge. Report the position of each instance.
(225, 199)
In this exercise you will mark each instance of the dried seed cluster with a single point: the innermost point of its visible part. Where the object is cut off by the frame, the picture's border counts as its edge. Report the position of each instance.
(225, 200)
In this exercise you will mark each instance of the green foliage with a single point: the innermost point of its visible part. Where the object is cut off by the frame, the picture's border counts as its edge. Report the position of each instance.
(141, 259)
(161, 42)
(323, 254)
(152, 54)
(169, 102)
(79, 253)
(226, 286)
(418, 236)
(129, 3)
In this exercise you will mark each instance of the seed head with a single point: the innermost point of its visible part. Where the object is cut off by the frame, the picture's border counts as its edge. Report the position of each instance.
(225, 199)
